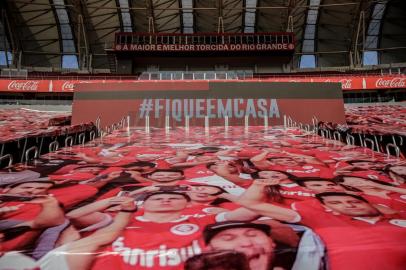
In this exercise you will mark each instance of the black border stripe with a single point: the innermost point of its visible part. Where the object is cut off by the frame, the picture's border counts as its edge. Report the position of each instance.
(227, 90)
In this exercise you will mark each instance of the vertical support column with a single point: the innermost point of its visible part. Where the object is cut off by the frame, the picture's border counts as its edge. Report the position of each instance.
(266, 122)
(166, 124)
(187, 119)
(206, 125)
(5, 26)
(360, 32)
(246, 125)
(128, 125)
(220, 25)
(83, 57)
(284, 122)
(147, 128)
(290, 24)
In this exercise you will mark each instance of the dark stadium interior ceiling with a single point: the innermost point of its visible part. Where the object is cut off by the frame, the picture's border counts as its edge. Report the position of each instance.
(329, 33)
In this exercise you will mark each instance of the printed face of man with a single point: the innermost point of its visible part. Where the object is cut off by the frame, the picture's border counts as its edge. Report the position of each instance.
(165, 203)
(272, 175)
(284, 161)
(231, 169)
(139, 168)
(356, 182)
(165, 176)
(366, 165)
(354, 154)
(205, 158)
(203, 193)
(400, 170)
(350, 206)
(147, 157)
(254, 243)
(88, 170)
(310, 145)
(323, 186)
(28, 189)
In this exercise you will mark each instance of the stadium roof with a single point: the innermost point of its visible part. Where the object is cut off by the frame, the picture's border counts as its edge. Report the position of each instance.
(75, 33)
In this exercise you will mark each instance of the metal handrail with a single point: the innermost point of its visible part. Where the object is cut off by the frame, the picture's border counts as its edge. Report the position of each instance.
(371, 141)
(350, 139)
(69, 141)
(92, 135)
(394, 146)
(337, 136)
(53, 146)
(9, 157)
(29, 150)
(82, 138)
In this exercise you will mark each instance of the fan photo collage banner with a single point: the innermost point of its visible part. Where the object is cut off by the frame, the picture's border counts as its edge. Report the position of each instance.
(205, 198)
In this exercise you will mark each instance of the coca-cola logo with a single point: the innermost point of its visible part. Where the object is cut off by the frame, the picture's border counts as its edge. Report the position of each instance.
(23, 85)
(346, 83)
(390, 83)
(68, 86)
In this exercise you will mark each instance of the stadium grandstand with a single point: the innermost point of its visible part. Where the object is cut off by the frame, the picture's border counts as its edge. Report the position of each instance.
(202, 134)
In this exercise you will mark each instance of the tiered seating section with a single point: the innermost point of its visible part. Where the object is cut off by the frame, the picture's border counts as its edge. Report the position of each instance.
(23, 129)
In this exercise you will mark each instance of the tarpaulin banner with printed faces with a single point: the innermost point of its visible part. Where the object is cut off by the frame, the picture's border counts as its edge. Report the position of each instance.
(197, 199)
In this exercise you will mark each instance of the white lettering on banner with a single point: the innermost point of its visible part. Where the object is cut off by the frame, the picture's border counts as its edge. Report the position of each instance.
(224, 111)
(176, 110)
(300, 171)
(273, 109)
(346, 83)
(210, 107)
(298, 193)
(23, 85)
(203, 47)
(153, 258)
(68, 86)
(200, 108)
(263, 112)
(396, 82)
(237, 112)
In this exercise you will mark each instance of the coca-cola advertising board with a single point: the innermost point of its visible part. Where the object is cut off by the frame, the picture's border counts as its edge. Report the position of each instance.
(350, 82)
(43, 86)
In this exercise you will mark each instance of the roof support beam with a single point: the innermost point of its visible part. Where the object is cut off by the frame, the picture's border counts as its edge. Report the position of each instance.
(229, 9)
(4, 36)
(7, 29)
(289, 16)
(250, 16)
(360, 35)
(125, 15)
(150, 13)
(82, 31)
(220, 24)
(82, 45)
(187, 16)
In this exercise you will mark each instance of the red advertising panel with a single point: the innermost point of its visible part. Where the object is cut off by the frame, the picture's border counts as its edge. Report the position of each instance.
(352, 82)
(41, 86)
(347, 83)
(203, 47)
(197, 103)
